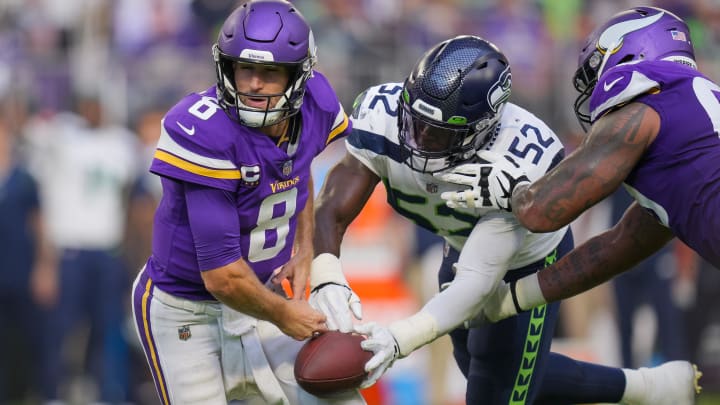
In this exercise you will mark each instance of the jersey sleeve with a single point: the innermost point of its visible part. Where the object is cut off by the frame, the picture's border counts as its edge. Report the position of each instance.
(215, 226)
(327, 102)
(373, 139)
(528, 141)
(477, 271)
(194, 151)
(618, 86)
(341, 126)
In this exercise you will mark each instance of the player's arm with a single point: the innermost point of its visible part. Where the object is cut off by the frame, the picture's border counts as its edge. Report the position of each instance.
(44, 277)
(615, 144)
(347, 188)
(634, 238)
(215, 228)
(237, 286)
(478, 271)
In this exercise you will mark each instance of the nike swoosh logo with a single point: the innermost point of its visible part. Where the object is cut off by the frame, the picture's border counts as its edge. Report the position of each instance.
(190, 131)
(607, 86)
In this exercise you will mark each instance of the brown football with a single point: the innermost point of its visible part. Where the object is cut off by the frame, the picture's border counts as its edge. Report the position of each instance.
(331, 362)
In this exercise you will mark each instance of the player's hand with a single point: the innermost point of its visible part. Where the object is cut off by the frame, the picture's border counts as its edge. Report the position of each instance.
(296, 271)
(384, 347)
(499, 304)
(331, 294)
(492, 181)
(299, 320)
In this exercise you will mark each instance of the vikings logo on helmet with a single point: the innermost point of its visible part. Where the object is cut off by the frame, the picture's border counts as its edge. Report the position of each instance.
(643, 33)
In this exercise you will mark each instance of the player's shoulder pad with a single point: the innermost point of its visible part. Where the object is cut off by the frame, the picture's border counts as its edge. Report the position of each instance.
(196, 144)
(529, 139)
(374, 122)
(377, 107)
(382, 98)
(322, 96)
(322, 93)
(620, 85)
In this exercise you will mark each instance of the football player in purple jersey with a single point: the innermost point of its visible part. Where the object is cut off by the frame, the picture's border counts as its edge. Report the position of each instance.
(236, 218)
(452, 108)
(654, 128)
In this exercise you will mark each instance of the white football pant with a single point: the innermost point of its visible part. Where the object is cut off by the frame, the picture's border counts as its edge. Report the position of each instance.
(195, 360)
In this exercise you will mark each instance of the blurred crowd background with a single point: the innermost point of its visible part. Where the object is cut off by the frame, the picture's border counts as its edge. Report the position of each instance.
(83, 86)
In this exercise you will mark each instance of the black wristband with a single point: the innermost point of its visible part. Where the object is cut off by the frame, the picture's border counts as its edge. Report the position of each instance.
(514, 296)
(328, 283)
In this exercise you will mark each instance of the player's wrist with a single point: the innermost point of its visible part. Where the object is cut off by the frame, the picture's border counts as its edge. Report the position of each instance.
(326, 269)
(519, 189)
(414, 332)
(526, 293)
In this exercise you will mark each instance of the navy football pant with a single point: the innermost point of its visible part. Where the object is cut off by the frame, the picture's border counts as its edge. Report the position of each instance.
(92, 291)
(510, 362)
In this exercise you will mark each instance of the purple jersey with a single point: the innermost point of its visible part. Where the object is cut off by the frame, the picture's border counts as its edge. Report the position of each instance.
(200, 144)
(678, 177)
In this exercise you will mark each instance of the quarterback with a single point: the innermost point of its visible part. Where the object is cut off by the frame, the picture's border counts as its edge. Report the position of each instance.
(237, 200)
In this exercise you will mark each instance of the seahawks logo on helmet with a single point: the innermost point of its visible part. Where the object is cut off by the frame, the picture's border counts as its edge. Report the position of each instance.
(500, 90)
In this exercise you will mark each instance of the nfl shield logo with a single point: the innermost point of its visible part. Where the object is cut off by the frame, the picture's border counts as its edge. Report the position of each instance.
(431, 188)
(287, 168)
(184, 332)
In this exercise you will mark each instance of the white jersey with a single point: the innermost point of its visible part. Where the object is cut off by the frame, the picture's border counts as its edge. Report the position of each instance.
(374, 141)
(491, 241)
(84, 175)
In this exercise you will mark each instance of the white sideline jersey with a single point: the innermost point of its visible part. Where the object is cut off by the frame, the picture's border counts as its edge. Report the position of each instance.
(491, 241)
(374, 141)
(85, 174)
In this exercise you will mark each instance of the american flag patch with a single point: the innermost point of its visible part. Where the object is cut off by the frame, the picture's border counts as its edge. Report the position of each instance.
(678, 36)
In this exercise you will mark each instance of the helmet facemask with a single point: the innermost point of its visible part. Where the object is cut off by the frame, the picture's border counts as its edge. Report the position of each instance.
(289, 101)
(433, 146)
(451, 103)
(584, 81)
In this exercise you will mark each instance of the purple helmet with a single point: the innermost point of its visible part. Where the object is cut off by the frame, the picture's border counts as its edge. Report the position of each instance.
(267, 32)
(641, 33)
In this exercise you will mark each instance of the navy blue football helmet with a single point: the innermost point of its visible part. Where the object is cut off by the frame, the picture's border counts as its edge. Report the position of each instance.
(452, 102)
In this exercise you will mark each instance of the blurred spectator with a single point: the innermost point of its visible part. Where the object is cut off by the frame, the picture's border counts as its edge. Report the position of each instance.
(85, 166)
(145, 192)
(518, 27)
(28, 280)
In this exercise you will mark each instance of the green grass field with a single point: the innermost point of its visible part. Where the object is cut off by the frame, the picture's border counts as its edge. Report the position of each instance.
(709, 399)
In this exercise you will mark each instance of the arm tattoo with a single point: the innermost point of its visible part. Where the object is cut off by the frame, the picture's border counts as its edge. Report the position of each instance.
(592, 172)
(635, 237)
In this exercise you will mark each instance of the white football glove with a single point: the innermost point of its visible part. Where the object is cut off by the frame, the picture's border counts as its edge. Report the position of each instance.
(331, 294)
(492, 182)
(499, 304)
(382, 343)
(509, 299)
